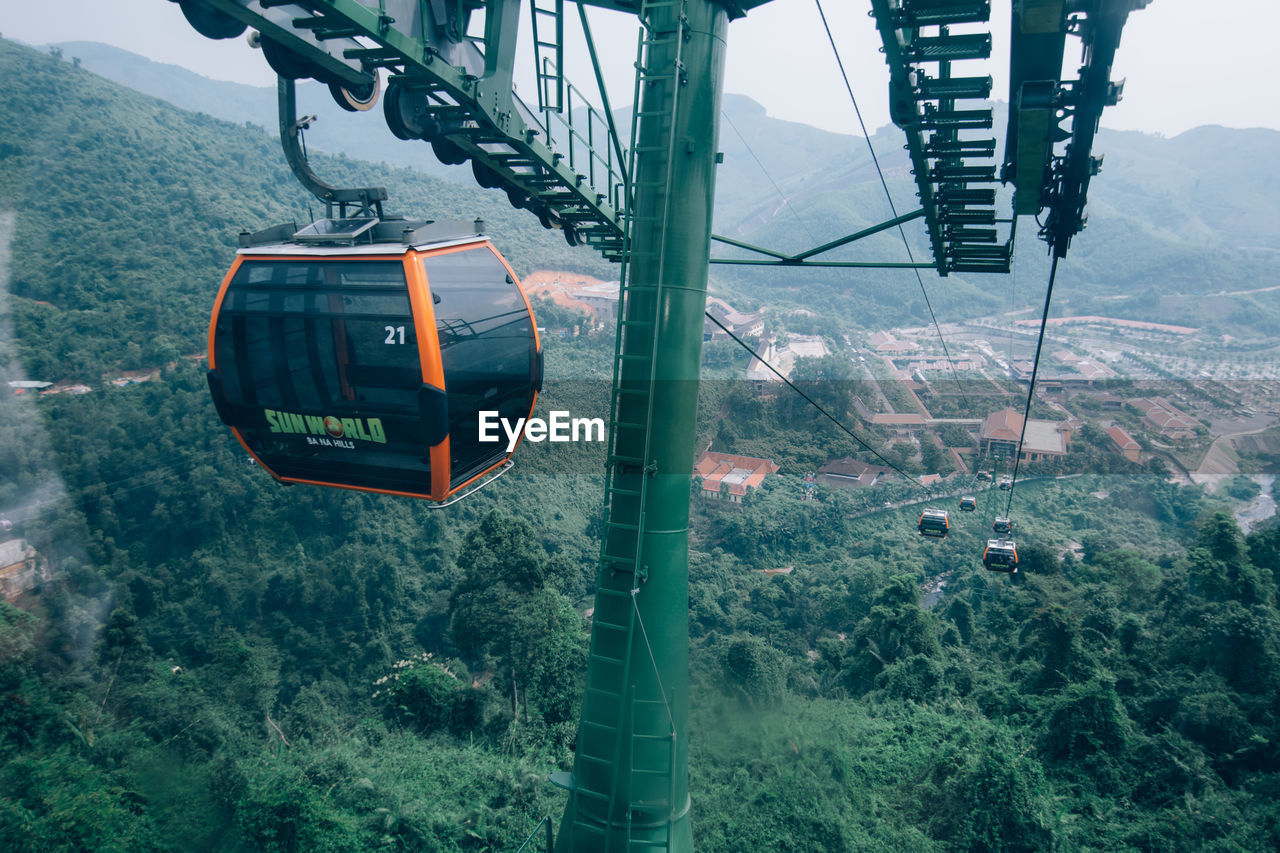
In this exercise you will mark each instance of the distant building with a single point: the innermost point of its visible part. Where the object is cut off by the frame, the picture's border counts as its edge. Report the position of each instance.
(942, 365)
(1069, 428)
(744, 325)
(1041, 439)
(1163, 417)
(999, 432)
(807, 346)
(1142, 405)
(878, 338)
(1169, 424)
(903, 424)
(1044, 439)
(1109, 401)
(783, 358)
(21, 569)
(850, 473)
(1125, 443)
(737, 473)
(1086, 366)
(601, 299)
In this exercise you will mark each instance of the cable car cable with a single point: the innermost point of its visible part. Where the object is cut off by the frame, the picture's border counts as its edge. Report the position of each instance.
(1031, 389)
(892, 207)
(813, 402)
(1013, 304)
(776, 188)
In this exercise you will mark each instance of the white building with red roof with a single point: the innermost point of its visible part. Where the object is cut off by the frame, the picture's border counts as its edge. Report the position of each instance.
(737, 473)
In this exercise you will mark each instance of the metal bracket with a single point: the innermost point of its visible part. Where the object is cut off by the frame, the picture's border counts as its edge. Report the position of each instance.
(367, 201)
(498, 472)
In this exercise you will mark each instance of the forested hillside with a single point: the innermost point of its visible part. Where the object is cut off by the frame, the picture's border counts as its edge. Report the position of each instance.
(221, 663)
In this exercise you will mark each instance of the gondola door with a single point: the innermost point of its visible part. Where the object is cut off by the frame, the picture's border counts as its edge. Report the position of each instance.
(489, 352)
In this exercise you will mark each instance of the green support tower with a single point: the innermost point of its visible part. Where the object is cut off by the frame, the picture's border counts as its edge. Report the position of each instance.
(629, 789)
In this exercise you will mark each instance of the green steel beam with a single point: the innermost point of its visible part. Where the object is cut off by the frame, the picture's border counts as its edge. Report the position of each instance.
(630, 783)
(825, 247)
(876, 265)
(486, 95)
(858, 235)
(751, 247)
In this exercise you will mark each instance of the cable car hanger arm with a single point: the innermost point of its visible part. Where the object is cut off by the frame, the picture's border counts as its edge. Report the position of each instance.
(802, 258)
(460, 94)
(369, 199)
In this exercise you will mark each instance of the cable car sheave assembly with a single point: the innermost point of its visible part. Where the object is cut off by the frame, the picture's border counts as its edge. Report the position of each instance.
(309, 321)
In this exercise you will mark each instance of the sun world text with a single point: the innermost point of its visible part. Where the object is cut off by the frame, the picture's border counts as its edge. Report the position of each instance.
(328, 427)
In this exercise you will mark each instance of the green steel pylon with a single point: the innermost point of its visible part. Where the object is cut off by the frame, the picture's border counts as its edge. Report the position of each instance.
(629, 789)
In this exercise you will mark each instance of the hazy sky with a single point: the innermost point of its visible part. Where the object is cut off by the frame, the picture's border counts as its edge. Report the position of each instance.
(1187, 63)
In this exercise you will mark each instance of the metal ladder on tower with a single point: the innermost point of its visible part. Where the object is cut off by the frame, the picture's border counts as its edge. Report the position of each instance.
(549, 52)
(630, 465)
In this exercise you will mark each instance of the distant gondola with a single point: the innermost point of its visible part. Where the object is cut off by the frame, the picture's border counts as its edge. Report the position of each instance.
(968, 503)
(1001, 555)
(360, 354)
(934, 522)
(1003, 526)
(1006, 483)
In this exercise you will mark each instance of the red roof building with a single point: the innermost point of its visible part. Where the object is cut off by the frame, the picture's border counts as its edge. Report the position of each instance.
(1170, 424)
(850, 473)
(1001, 430)
(735, 473)
(1125, 443)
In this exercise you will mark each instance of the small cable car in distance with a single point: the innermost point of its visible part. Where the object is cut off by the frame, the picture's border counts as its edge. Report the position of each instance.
(934, 523)
(361, 353)
(1002, 526)
(1006, 483)
(968, 503)
(1001, 555)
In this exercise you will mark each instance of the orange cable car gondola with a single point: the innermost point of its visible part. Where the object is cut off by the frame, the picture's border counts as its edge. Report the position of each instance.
(1001, 555)
(968, 503)
(934, 523)
(363, 353)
